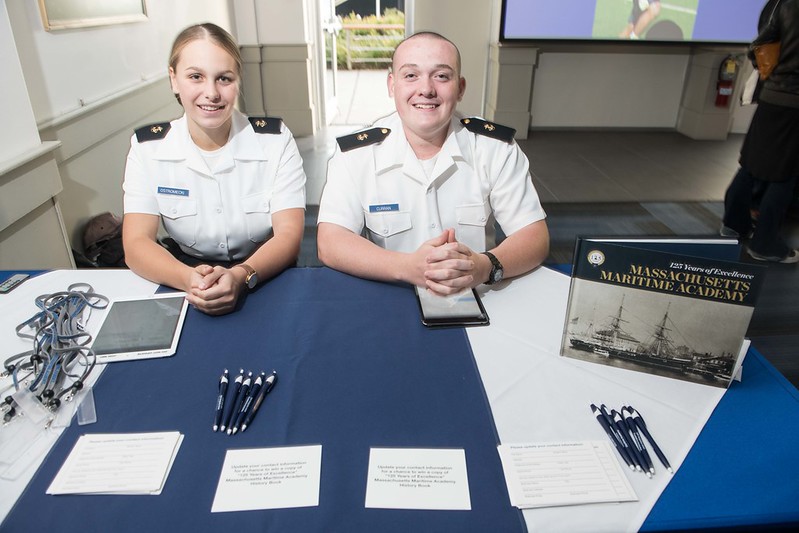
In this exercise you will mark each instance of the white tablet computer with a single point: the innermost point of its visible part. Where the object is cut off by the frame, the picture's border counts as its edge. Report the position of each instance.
(141, 328)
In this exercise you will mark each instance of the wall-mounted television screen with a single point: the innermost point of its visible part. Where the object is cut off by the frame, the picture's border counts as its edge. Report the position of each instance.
(704, 21)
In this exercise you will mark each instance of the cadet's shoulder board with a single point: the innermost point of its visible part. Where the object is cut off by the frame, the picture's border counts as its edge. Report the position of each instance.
(153, 132)
(489, 129)
(266, 124)
(362, 138)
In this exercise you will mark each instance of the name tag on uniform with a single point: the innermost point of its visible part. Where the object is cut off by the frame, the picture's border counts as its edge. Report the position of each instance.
(172, 191)
(383, 207)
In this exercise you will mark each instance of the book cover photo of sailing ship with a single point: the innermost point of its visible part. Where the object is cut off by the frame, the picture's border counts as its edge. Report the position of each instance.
(667, 314)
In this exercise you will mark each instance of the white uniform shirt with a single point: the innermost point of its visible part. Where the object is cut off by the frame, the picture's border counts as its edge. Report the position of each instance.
(224, 215)
(384, 188)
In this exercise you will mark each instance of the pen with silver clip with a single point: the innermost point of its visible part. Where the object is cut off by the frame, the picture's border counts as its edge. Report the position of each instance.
(241, 397)
(606, 425)
(220, 399)
(632, 446)
(636, 437)
(639, 421)
(265, 389)
(232, 408)
(247, 405)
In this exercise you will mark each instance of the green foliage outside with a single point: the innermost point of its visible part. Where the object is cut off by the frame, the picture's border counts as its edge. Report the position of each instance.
(370, 44)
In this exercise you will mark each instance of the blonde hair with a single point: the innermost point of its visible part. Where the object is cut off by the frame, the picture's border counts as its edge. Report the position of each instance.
(211, 32)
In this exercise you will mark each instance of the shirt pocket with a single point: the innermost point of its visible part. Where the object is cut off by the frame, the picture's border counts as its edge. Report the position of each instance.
(472, 220)
(180, 219)
(257, 216)
(386, 228)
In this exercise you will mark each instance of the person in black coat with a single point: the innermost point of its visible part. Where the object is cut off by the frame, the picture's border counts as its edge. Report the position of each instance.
(770, 153)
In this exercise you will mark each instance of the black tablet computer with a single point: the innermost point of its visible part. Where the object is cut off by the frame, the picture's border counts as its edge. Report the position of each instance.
(462, 309)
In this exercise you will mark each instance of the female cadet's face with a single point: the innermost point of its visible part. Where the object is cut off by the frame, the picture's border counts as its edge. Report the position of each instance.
(207, 81)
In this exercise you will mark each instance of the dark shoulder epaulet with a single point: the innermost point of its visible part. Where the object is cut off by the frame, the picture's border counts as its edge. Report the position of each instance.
(266, 124)
(362, 138)
(153, 132)
(489, 129)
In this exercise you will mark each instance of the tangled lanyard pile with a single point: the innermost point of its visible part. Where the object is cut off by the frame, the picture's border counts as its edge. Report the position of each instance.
(60, 361)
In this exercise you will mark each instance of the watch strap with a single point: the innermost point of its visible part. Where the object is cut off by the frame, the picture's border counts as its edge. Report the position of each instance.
(251, 274)
(496, 266)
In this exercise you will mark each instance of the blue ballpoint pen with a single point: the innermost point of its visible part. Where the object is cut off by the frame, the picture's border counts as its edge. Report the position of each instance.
(241, 397)
(265, 389)
(639, 420)
(636, 436)
(232, 407)
(220, 399)
(603, 421)
(634, 450)
(247, 405)
(623, 449)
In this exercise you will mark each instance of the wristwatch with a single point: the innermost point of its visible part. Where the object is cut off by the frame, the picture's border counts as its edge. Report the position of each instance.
(496, 269)
(252, 276)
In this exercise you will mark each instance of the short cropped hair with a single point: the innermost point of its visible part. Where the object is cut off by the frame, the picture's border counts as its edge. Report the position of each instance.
(433, 35)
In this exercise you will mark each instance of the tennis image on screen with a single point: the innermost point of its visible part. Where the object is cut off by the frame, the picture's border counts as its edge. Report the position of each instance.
(665, 21)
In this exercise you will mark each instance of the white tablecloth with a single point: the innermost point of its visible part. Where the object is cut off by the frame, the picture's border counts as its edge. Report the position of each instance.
(538, 396)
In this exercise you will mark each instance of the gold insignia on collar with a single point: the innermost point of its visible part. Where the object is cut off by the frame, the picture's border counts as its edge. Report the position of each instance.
(156, 129)
(260, 123)
(466, 121)
(489, 127)
(362, 136)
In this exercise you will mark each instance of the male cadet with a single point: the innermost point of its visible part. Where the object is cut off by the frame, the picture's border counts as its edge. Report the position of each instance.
(427, 186)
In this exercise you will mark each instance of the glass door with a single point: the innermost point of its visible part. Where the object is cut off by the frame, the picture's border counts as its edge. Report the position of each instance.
(331, 26)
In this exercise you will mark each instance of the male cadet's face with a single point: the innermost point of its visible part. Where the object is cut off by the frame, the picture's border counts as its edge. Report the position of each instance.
(206, 80)
(426, 85)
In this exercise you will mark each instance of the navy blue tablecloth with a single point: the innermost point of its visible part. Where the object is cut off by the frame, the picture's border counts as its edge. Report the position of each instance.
(742, 471)
(356, 370)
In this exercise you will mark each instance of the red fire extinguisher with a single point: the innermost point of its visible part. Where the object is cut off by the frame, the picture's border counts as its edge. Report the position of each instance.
(726, 82)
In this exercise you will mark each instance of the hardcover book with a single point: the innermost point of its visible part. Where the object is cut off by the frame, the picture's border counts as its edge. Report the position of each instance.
(652, 309)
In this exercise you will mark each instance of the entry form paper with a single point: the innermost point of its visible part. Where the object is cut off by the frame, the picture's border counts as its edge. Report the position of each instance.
(126, 463)
(563, 473)
(413, 478)
(269, 478)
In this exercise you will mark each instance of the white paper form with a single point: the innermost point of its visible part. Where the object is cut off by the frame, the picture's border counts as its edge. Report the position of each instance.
(269, 478)
(563, 473)
(412, 478)
(129, 463)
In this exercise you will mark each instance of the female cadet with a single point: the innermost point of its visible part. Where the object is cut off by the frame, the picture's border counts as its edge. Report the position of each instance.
(229, 189)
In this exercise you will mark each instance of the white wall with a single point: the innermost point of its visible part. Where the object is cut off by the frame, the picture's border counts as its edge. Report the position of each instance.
(467, 23)
(69, 69)
(608, 90)
(15, 105)
(89, 88)
(29, 179)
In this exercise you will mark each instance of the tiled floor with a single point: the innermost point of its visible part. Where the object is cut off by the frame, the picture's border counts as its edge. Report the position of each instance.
(620, 183)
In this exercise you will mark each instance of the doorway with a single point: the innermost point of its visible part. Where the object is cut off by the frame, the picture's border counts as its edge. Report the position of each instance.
(359, 37)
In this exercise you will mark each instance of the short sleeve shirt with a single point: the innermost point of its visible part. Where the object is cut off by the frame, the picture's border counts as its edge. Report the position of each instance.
(222, 215)
(382, 190)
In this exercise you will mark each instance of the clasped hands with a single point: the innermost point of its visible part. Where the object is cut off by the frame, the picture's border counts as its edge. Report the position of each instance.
(215, 290)
(446, 266)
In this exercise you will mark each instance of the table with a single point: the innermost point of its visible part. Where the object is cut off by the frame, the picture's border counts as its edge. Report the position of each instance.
(357, 370)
